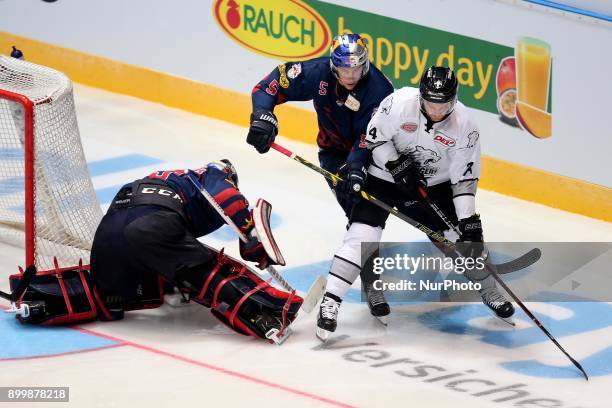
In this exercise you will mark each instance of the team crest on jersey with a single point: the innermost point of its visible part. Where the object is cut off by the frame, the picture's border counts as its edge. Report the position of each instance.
(409, 127)
(283, 81)
(294, 71)
(426, 158)
(473, 138)
(385, 106)
(444, 140)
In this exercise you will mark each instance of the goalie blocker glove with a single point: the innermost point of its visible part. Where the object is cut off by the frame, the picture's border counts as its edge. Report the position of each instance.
(254, 251)
(263, 130)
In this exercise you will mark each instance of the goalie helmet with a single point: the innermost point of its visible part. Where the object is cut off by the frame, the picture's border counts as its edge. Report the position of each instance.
(347, 51)
(228, 168)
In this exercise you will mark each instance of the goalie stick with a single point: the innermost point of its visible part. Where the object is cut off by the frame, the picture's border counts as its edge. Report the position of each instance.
(317, 288)
(517, 264)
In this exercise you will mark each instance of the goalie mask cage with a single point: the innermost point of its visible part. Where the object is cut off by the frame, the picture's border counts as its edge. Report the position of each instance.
(47, 201)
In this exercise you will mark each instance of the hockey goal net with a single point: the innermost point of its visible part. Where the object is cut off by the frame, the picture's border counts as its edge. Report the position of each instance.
(47, 201)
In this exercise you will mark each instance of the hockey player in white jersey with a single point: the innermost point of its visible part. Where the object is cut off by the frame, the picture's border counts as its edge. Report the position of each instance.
(417, 137)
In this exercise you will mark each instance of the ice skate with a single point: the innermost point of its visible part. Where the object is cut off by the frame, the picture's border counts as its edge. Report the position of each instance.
(498, 304)
(328, 316)
(379, 308)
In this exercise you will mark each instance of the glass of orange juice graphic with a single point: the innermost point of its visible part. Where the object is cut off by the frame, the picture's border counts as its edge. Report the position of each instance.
(533, 76)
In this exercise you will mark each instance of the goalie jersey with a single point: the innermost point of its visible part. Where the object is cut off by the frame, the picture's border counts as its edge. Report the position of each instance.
(201, 217)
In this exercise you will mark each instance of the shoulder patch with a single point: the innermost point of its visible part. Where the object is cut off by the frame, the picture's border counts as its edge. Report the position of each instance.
(409, 127)
(294, 71)
(473, 138)
(283, 81)
(385, 106)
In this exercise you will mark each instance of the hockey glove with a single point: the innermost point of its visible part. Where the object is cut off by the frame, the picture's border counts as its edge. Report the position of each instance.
(353, 175)
(406, 174)
(263, 130)
(253, 251)
(471, 241)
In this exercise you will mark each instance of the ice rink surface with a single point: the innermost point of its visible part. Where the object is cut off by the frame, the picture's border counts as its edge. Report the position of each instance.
(430, 355)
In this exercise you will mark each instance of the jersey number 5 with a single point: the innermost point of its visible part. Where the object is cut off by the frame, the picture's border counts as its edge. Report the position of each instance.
(323, 88)
(272, 89)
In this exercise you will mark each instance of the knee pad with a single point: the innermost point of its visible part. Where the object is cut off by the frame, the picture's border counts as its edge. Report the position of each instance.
(356, 234)
(239, 298)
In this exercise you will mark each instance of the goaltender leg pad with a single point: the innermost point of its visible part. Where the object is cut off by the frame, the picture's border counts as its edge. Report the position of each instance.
(58, 296)
(240, 298)
(261, 219)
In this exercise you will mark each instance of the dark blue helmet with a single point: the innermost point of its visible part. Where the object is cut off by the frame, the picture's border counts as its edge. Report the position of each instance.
(228, 168)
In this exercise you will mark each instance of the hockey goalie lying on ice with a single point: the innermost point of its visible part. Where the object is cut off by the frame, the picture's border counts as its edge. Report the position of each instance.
(148, 237)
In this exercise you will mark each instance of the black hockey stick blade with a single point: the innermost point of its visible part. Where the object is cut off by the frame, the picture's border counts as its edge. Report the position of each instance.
(522, 262)
(24, 282)
(6, 296)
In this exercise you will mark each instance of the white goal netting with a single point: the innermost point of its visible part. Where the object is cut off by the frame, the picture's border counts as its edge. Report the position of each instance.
(66, 211)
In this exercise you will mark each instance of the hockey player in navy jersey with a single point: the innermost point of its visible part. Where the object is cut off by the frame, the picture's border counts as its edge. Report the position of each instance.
(148, 237)
(346, 92)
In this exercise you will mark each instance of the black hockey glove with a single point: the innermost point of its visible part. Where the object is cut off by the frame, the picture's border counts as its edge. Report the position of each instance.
(353, 178)
(263, 130)
(406, 174)
(253, 251)
(470, 243)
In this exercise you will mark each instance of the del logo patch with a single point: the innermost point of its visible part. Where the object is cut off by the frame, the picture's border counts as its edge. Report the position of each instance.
(444, 140)
(409, 127)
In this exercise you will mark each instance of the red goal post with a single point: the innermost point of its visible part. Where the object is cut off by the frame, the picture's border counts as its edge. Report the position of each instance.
(47, 201)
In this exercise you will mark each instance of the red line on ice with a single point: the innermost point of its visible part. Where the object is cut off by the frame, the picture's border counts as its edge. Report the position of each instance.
(219, 369)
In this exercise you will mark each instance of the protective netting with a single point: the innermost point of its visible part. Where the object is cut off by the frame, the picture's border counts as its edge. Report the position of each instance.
(66, 210)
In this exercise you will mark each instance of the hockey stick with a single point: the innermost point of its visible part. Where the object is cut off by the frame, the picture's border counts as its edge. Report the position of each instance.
(519, 263)
(24, 282)
(514, 265)
(494, 272)
(231, 223)
(14, 296)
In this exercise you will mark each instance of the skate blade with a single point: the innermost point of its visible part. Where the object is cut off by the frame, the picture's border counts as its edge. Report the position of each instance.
(384, 320)
(322, 334)
(277, 337)
(176, 301)
(508, 320)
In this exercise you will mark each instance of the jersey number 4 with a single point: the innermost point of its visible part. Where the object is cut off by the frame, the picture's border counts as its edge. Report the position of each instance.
(372, 133)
